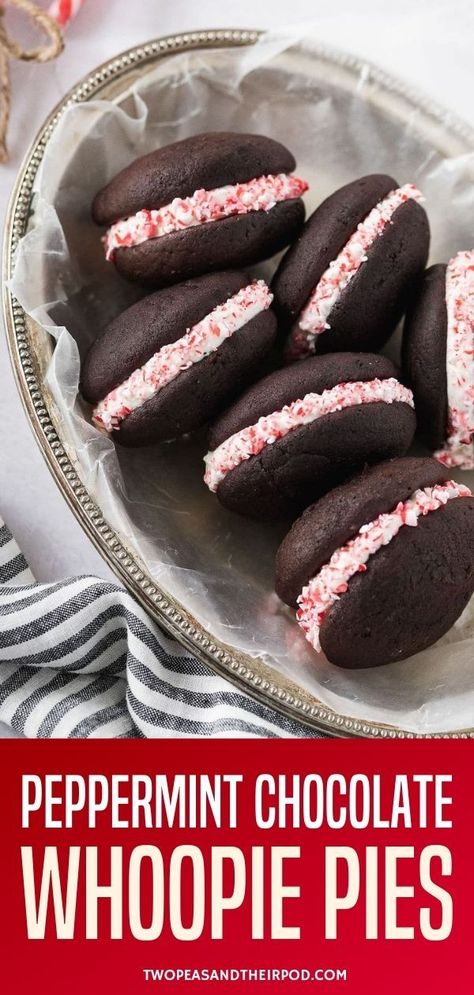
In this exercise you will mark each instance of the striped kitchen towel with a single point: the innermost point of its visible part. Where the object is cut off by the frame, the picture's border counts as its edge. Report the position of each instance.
(80, 658)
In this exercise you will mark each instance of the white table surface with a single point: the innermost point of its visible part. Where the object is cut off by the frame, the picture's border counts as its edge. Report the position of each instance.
(430, 46)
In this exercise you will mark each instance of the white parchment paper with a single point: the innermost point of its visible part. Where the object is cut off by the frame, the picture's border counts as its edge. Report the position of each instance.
(218, 565)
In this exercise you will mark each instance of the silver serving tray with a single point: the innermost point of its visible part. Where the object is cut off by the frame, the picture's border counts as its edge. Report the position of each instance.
(30, 350)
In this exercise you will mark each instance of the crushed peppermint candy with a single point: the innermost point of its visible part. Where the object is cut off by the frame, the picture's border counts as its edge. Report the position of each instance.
(166, 364)
(314, 318)
(260, 194)
(459, 446)
(323, 590)
(251, 440)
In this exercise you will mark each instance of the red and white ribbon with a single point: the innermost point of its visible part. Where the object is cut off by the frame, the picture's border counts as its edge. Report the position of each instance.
(63, 11)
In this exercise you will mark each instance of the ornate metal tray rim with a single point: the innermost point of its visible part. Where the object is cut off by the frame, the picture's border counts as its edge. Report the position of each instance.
(269, 688)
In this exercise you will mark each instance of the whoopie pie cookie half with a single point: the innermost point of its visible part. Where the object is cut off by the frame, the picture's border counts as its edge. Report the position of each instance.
(209, 202)
(173, 360)
(300, 430)
(346, 281)
(381, 567)
(438, 355)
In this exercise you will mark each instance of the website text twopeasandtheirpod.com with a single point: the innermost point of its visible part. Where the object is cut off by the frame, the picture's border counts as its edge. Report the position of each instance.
(232, 974)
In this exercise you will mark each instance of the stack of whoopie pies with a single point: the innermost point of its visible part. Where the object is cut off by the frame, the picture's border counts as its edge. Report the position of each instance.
(383, 563)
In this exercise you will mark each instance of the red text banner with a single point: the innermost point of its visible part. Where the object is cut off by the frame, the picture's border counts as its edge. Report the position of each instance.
(178, 865)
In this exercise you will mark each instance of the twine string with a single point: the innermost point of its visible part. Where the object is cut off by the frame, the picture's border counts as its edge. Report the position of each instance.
(10, 49)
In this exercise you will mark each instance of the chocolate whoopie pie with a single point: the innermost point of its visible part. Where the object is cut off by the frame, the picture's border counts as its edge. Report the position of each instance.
(209, 202)
(438, 356)
(170, 362)
(302, 429)
(382, 566)
(346, 281)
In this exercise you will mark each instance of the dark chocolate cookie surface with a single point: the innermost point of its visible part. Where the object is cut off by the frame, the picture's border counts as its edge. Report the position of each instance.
(145, 327)
(205, 161)
(200, 162)
(297, 469)
(424, 355)
(292, 472)
(200, 391)
(321, 240)
(369, 307)
(339, 515)
(292, 383)
(412, 592)
(412, 589)
(236, 241)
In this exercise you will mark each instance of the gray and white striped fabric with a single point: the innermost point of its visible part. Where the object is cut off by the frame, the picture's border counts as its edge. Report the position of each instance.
(80, 658)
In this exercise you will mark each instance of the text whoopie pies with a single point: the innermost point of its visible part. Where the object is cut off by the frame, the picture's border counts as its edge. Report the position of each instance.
(438, 351)
(170, 362)
(212, 201)
(382, 566)
(345, 282)
(302, 429)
